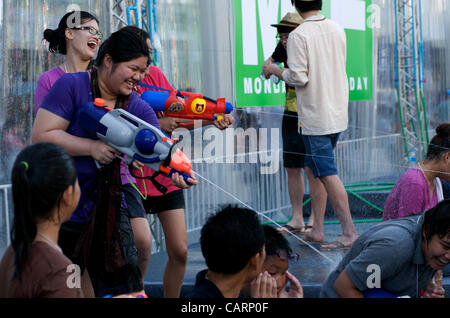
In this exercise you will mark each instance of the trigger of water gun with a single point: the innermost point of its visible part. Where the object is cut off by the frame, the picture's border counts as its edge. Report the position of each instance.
(179, 164)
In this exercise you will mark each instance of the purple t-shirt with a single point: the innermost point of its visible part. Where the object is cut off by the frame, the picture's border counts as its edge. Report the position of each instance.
(410, 195)
(45, 83)
(67, 95)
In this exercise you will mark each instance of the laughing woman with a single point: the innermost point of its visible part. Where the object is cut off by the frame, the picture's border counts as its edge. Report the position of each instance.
(78, 43)
(121, 63)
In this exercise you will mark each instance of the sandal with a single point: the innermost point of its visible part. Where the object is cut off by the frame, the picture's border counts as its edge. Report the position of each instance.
(339, 246)
(288, 228)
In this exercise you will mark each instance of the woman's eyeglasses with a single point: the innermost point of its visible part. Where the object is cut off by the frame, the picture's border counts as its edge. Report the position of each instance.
(284, 37)
(91, 30)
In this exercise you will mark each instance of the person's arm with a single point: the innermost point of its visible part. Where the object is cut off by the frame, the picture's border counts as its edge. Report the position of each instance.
(275, 70)
(42, 88)
(434, 288)
(297, 74)
(267, 62)
(179, 181)
(49, 127)
(55, 286)
(345, 288)
(295, 288)
(142, 111)
(270, 60)
(225, 122)
(263, 286)
(277, 56)
(168, 124)
(222, 124)
(359, 275)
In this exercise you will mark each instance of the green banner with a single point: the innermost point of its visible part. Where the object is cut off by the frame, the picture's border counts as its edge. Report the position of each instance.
(255, 42)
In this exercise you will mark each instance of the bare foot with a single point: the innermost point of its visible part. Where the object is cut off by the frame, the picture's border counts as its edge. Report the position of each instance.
(342, 242)
(314, 236)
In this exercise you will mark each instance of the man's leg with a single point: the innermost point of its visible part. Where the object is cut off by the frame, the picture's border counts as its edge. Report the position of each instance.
(320, 160)
(293, 161)
(296, 188)
(318, 205)
(339, 201)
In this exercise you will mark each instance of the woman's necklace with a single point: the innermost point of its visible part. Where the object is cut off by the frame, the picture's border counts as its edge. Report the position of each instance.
(431, 184)
(424, 174)
(45, 237)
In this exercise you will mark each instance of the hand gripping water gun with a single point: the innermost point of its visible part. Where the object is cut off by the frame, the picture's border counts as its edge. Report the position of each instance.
(187, 105)
(135, 138)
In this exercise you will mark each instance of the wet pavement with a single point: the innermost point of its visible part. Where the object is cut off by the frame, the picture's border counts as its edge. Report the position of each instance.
(311, 269)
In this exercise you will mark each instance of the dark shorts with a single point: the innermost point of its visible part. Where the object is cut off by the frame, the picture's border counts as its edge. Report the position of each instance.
(134, 207)
(320, 154)
(171, 201)
(293, 146)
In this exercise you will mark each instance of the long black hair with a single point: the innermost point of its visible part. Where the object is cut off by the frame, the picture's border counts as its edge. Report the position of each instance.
(123, 46)
(57, 37)
(40, 175)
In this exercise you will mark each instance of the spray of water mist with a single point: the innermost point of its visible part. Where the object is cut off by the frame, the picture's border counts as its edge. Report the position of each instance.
(264, 216)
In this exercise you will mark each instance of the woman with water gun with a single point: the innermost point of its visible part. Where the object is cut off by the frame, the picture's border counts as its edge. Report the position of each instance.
(121, 63)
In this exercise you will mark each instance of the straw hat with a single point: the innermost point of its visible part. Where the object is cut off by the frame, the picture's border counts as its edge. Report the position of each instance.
(290, 20)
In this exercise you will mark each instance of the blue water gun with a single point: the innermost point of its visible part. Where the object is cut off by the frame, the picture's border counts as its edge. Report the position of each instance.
(135, 138)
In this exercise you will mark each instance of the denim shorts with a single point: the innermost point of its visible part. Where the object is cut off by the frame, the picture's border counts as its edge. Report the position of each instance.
(320, 154)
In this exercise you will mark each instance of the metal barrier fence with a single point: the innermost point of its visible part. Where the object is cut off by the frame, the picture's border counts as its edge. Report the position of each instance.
(377, 159)
(362, 160)
(5, 216)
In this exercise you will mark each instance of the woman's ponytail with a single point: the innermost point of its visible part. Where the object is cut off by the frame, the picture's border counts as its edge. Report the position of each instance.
(24, 226)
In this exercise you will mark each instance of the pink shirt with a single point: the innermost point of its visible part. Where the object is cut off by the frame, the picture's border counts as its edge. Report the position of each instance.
(44, 83)
(410, 195)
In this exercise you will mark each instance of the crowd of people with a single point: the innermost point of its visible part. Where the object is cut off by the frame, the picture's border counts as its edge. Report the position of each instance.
(78, 206)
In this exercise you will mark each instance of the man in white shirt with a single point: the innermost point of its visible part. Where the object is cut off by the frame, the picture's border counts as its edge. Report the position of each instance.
(317, 68)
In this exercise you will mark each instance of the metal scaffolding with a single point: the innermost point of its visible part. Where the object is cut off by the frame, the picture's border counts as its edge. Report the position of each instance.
(141, 13)
(410, 77)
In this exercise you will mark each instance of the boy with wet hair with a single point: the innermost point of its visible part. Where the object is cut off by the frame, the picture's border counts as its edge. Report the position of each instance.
(232, 243)
(273, 280)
